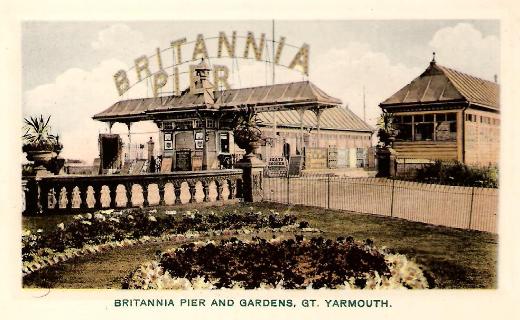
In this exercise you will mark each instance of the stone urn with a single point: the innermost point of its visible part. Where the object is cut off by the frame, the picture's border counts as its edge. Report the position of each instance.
(248, 138)
(42, 160)
(41, 157)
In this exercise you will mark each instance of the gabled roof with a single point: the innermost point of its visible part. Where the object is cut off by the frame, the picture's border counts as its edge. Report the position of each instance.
(337, 118)
(442, 84)
(288, 95)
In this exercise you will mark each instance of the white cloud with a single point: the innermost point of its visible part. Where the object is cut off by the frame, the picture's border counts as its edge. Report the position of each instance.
(466, 49)
(343, 72)
(122, 42)
(71, 100)
(77, 94)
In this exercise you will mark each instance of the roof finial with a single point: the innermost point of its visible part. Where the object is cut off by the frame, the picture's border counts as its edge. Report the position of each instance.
(433, 57)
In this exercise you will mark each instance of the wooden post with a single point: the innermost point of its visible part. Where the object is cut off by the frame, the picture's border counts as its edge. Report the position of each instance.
(471, 207)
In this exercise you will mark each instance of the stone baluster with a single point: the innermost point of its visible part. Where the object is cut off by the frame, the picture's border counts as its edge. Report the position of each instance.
(220, 189)
(144, 186)
(232, 186)
(193, 191)
(57, 196)
(161, 186)
(205, 187)
(128, 190)
(69, 196)
(177, 191)
(113, 194)
(44, 199)
(98, 196)
(83, 193)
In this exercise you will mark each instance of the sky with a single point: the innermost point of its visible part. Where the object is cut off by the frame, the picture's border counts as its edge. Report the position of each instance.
(68, 67)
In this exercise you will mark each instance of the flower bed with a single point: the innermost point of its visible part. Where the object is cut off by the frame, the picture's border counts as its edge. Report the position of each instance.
(90, 233)
(290, 264)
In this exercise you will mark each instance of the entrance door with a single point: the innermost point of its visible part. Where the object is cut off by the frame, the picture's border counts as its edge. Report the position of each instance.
(183, 160)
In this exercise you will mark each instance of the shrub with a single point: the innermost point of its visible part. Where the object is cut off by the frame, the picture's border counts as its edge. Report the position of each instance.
(458, 174)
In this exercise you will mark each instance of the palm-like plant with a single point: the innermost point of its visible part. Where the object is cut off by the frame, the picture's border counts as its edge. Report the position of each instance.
(386, 132)
(38, 136)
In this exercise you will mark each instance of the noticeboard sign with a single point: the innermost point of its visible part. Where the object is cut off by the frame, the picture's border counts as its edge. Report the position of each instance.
(277, 167)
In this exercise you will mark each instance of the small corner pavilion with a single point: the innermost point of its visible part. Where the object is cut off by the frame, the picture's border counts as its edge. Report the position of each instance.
(445, 114)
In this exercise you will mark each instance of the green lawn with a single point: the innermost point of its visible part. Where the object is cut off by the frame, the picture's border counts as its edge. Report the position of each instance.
(455, 258)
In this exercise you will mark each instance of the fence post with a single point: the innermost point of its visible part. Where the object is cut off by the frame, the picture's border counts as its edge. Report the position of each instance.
(328, 191)
(471, 207)
(288, 182)
(392, 199)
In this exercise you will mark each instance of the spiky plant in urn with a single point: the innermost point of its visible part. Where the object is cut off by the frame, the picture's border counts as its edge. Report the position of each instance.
(386, 131)
(246, 132)
(385, 154)
(39, 144)
(248, 136)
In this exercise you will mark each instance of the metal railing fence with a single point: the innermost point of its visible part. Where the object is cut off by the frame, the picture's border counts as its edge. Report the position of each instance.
(452, 206)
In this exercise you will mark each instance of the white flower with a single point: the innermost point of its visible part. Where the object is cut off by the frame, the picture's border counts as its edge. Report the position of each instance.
(113, 220)
(152, 211)
(86, 222)
(78, 217)
(170, 212)
(61, 226)
(200, 283)
(130, 217)
(152, 218)
(41, 230)
(108, 211)
(99, 216)
(88, 216)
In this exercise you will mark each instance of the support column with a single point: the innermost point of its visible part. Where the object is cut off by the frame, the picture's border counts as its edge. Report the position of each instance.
(301, 113)
(204, 146)
(129, 124)
(318, 117)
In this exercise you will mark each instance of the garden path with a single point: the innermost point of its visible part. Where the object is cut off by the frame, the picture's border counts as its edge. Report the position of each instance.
(103, 270)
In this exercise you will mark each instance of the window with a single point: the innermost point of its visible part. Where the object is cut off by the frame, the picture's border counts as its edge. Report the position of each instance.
(446, 127)
(403, 125)
(451, 117)
(427, 127)
(423, 131)
(224, 142)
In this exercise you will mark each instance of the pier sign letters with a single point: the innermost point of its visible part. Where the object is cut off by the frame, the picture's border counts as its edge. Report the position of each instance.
(153, 68)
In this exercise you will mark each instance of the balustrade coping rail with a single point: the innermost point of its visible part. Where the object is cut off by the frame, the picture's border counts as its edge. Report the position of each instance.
(178, 174)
